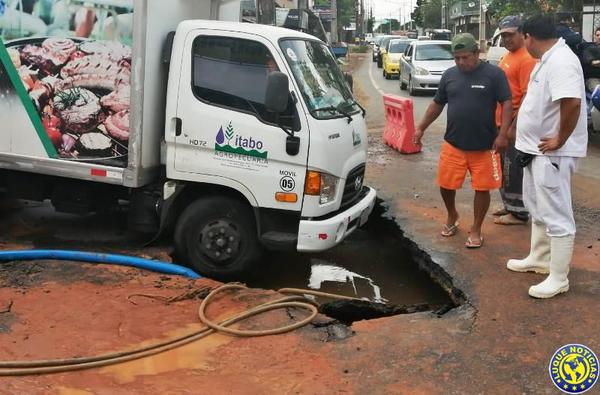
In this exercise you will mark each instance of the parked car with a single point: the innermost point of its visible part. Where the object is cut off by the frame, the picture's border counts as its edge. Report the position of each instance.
(383, 47)
(423, 64)
(496, 49)
(391, 58)
(376, 42)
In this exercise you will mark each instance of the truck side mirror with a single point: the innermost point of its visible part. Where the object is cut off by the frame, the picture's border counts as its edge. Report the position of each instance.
(349, 79)
(276, 96)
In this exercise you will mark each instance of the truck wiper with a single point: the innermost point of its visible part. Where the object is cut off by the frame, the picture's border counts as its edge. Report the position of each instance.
(352, 101)
(333, 109)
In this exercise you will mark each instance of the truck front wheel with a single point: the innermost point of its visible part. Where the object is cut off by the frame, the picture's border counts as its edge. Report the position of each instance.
(217, 237)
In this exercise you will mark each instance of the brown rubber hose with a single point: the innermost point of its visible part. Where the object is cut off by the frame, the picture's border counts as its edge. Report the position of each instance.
(256, 310)
(22, 368)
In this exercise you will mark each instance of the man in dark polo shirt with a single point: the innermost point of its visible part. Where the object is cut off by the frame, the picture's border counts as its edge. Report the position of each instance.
(472, 89)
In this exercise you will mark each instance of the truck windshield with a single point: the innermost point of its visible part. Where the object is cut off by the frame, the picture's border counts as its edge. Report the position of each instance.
(321, 81)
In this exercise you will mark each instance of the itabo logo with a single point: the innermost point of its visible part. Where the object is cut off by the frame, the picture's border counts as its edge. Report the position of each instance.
(229, 141)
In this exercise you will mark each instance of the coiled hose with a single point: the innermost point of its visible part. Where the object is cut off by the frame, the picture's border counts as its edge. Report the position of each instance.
(23, 368)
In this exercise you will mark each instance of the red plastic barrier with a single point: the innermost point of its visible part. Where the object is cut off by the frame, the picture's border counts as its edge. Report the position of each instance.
(399, 124)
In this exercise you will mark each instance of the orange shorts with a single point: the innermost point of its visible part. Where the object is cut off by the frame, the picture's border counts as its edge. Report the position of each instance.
(484, 167)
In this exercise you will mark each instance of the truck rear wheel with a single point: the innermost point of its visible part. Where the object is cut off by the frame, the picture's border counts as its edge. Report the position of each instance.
(217, 237)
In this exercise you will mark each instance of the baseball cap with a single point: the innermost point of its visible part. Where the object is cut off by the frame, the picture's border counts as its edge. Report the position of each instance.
(510, 24)
(464, 42)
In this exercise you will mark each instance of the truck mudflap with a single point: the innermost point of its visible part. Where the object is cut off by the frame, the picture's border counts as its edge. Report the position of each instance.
(320, 235)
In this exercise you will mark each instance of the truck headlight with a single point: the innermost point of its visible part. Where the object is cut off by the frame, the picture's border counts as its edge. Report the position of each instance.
(322, 185)
(421, 71)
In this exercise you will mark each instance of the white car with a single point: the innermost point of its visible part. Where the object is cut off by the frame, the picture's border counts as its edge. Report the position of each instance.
(496, 50)
(423, 64)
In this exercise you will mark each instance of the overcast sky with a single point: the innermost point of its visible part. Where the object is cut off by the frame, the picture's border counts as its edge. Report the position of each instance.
(390, 8)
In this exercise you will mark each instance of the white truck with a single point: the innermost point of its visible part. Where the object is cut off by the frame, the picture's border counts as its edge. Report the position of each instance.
(232, 137)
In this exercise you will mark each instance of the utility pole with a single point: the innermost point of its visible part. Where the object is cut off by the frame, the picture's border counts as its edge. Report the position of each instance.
(444, 7)
(482, 25)
(334, 33)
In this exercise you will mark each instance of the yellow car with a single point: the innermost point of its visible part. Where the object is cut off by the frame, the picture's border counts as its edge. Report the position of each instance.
(392, 55)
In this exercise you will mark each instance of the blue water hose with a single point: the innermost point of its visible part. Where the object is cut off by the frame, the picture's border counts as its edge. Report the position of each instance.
(95, 257)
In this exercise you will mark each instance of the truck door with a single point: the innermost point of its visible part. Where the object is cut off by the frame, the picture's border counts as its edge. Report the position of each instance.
(224, 128)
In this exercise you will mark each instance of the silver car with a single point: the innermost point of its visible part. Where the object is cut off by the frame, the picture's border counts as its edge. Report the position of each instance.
(423, 64)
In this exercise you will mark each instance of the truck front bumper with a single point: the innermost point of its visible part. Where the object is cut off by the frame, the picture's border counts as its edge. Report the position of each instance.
(322, 234)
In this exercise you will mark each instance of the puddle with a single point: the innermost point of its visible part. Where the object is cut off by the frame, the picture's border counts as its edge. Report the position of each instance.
(198, 355)
(374, 264)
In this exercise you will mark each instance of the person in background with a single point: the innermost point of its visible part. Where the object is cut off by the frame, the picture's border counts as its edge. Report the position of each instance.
(551, 135)
(517, 65)
(472, 89)
(590, 60)
(564, 29)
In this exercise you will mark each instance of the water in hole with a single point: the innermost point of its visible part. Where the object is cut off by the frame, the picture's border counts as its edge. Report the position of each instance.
(371, 264)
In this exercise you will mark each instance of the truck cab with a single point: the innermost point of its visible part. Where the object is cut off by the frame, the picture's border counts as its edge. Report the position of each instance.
(264, 112)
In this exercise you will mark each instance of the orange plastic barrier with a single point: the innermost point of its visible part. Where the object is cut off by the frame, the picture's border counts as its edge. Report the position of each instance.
(399, 124)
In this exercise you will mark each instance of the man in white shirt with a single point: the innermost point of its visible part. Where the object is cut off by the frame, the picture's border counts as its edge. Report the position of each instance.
(552, 132)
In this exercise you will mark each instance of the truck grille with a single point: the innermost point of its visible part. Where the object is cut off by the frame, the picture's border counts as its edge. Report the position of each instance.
(354, 186)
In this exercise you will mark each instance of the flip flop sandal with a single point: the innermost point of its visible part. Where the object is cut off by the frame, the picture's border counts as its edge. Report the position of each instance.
(470, 244)
(500, 212)
(508, 219)
(449, 231)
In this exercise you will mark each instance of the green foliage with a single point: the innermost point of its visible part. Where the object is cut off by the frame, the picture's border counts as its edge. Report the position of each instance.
(428, 14)
(385, 27)
(346, 11)
(370, 24)
(501, 8)
(359, 48)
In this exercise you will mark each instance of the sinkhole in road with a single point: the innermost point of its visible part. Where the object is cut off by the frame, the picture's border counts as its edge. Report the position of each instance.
(376, 264)
(387, 272)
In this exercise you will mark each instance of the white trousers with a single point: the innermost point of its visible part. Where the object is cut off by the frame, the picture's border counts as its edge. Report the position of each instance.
(547, 193)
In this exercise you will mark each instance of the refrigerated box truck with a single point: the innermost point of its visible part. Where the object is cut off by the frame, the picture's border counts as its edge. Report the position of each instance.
(231, 136)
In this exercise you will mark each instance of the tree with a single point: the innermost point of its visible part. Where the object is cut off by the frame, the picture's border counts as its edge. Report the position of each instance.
(370, 21)
(346, 10)
(385, 27)
(501, 8)
(428, 14)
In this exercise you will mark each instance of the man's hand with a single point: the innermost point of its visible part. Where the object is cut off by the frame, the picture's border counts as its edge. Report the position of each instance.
(550, 144)
(501, 144)
(418, 136)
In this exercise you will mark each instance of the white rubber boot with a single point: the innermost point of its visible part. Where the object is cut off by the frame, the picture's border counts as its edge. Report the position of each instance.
(557, 282)
(538, 259)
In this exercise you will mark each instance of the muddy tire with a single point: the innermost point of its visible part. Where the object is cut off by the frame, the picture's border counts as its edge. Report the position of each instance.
(386, 75)
(217, 237)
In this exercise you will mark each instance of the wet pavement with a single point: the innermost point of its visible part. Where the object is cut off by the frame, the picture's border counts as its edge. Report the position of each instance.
(372, 264)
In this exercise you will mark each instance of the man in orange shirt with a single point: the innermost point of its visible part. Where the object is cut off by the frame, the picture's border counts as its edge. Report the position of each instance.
(517, 65)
